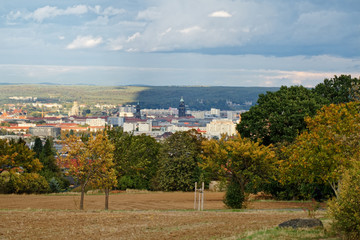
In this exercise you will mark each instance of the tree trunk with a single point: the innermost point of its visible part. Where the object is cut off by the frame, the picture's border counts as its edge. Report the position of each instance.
(107, 193)
(335, 187)
(82, 196)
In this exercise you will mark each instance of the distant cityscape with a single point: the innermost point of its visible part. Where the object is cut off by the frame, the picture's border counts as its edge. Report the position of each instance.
(51, 119)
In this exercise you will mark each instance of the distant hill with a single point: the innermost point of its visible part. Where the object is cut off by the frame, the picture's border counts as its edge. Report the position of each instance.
(201, 98)
(197, 98)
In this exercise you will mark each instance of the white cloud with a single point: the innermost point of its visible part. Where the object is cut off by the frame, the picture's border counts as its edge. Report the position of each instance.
(220, 14)
(14, 15)
(46, 12)
(151, 13)
(111, 11)
(85, 42)
(191, 30)
(133, 37)
(166, 32)
(50, 12)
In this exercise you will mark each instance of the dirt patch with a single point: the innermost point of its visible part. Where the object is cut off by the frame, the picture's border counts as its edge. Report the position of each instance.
(134, 216)
(134, 201)
(26, 224)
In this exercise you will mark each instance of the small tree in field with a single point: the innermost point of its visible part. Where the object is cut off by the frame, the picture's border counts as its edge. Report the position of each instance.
(87, 160)
(106, 179)
(241, 160)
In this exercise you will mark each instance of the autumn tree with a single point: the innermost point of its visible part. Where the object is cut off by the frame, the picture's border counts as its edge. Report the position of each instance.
(87, 160)
(105, 179)
(239, 159)
(16, 154)
(19, 169)
(323, 152)
(179, 159)
(279, 116)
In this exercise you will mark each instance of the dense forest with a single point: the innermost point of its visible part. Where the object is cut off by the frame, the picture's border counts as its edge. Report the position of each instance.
(202, 98)
(196, 98)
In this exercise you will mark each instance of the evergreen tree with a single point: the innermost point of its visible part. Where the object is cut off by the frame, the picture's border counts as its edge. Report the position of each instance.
(38, 147)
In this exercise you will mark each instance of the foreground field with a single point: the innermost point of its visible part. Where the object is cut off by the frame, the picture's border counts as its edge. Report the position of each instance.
(135, 216)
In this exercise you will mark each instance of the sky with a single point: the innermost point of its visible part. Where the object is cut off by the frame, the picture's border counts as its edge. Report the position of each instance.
(267, 43)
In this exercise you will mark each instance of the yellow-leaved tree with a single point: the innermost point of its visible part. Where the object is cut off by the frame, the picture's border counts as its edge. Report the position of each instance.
(322, 153)
(89, 161)
(239, 159)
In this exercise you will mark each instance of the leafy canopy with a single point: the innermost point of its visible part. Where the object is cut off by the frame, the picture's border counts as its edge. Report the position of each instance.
(340, 89)
(324, 151)
(178, 164)
(241, 159)
(279, 116)
(135, 157)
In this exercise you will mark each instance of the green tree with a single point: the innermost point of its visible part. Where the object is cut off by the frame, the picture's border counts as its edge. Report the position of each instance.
(135, 157)
(340, 89)
(51, 170)
(321, 154)
(279, 116)
(179, 159)
(38, 147)
(47, 157)
(241, 160)
(87, 160)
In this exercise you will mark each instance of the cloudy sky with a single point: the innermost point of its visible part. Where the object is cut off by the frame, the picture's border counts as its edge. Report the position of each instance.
(179, 42)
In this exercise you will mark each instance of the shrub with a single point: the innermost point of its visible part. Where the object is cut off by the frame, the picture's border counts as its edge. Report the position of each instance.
(297, 191)
(125, 182)
(345, 209)
(4, 182)
(55, 185)
(27, 183)
(234, 196)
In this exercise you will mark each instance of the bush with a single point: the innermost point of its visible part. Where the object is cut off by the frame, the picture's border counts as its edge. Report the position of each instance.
(234, 196)
(345, 209)
(4, 182)
(27, 183)
(297, 191)
(55, 185)
(125, 182)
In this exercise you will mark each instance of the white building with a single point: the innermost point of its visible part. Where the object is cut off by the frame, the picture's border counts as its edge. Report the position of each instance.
(218, 127)
(95, 122)
(144, 127)
(129, 127)
(198, 114)
(215, 112)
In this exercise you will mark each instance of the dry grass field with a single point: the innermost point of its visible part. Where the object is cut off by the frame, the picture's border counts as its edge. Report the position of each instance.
(135, 216)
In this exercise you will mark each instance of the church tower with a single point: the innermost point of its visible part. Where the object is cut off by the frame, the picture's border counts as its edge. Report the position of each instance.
(182, 108)
(138, 113)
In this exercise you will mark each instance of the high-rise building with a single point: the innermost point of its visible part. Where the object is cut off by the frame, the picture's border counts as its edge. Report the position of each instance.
(138, 113)
(181, 108)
